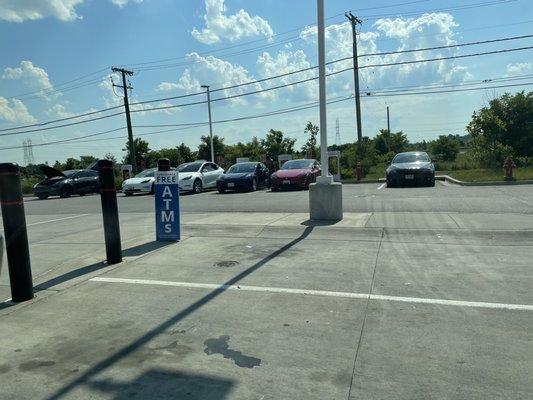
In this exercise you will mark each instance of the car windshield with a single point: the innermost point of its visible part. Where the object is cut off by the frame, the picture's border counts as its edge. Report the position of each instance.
(410, 157)
(70, 173)
(298, 164)
(147, 173)
(190, 167)
(240, 168)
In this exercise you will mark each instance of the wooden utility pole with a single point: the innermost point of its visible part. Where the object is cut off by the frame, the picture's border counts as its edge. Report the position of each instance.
(125, 87)
(388, 120)
(354, 21)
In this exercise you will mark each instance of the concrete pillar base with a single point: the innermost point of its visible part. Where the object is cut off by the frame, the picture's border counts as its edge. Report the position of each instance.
(325, 201)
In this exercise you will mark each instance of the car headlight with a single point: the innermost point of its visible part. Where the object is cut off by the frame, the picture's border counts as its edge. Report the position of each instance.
(34, 186)
(186, 178)
(250, 175)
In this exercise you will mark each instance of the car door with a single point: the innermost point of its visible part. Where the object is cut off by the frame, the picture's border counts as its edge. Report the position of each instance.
(217, 171)
(83, 182)
(262, 173)
(207, 175)
(78, 182)
(93, 183)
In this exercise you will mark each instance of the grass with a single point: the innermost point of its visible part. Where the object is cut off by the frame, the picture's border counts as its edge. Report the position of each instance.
(483, 175)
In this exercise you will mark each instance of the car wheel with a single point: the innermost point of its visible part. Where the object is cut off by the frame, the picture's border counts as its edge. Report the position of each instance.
(221, 190)
(81, 194)
(42, 197)
(275, 189)
(389, 184)
(254, 185)
(128, 194)
(66, 191)
(197, 186)
(432, 183)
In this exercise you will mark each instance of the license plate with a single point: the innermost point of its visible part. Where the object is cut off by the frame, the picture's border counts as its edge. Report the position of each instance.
(409, 177)
(231, 184)
(287, 182)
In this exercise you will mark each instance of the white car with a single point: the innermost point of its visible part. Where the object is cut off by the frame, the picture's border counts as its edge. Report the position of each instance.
(143, 182)
(198, 175)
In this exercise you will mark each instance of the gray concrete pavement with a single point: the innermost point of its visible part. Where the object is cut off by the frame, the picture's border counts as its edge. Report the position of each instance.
(400, 300)
(356, 198)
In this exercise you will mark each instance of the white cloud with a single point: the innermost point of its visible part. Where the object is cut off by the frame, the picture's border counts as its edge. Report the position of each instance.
(123, 3)
(22, 10)
(32, 76)
(59, 111)
(14, 111)
(232, 27)
(519, 68)
(217, 73)
(31, 10)
(167, 86)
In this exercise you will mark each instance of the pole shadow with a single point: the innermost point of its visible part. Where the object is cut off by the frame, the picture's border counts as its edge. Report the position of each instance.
(85, 378)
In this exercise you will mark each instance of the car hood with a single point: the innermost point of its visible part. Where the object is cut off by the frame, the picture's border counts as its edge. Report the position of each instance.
(134, 181)
(50, 172)
(238, 175)
(292, 173)
(411, 165)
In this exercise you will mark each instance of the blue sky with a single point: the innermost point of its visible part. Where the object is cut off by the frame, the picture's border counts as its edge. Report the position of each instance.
(175, 46)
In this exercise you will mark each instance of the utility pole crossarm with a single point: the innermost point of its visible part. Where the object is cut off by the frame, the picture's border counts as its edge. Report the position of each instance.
(125, 88)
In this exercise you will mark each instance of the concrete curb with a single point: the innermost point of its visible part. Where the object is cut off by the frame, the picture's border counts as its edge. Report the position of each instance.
(448, 178)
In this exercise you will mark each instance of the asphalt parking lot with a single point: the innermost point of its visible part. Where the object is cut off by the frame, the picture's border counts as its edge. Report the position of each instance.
(419, 293)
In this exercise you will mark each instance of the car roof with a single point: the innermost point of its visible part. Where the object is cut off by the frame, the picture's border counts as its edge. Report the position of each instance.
(412, 152)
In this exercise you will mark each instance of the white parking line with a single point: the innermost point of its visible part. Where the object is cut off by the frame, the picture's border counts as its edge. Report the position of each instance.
(459, 303)
(58, 219)
(382, 186)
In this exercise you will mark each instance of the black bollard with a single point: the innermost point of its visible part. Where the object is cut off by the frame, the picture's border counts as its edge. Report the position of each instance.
(108, 196)
(17, 248)
(163, 164)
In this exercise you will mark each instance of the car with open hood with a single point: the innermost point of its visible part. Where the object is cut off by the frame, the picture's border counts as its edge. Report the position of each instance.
(244, 176)
(411, 168)
(295, 174)
(66, 183)
(198, 175)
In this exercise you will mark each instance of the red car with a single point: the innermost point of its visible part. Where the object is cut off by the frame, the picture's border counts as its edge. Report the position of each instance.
(295, 174)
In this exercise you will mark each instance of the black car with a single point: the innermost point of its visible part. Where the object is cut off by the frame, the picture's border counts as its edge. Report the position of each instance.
(411, 168)
(66, 183)
(244, 176)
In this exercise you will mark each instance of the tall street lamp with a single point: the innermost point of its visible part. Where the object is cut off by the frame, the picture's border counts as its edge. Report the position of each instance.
(206, 87)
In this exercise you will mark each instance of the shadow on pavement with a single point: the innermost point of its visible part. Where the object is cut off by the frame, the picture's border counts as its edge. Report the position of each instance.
(131, 252)
(71, 275)
(144, 248)
(166, 384)
(311, 222)
(85, 378)
(6, 304)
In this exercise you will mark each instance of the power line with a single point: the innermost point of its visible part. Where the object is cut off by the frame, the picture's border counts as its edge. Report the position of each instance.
(254, 92)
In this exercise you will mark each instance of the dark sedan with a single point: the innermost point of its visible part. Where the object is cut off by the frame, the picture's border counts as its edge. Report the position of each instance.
(411, 168)
(66, 183)
(244, 176)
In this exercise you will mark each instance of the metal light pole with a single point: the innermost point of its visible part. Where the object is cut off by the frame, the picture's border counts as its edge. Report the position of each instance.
(210, 123)
(325, 178)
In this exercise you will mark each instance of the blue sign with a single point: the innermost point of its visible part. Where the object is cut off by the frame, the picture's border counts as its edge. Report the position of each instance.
(167, 206)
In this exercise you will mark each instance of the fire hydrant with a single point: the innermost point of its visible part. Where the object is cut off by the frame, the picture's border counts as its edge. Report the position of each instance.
(359, 172)
(508, 165)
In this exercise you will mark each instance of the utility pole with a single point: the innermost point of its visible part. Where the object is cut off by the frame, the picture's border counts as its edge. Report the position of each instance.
(125, 87)
(354, 21)
(388, 120)
(206, 87)
(337, 133)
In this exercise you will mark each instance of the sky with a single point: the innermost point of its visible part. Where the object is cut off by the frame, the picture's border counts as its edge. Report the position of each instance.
(57, 57)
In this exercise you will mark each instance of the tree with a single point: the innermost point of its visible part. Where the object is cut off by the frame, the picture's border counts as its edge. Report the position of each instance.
(312, 130)
(72, 163)
(86, 161)
(386, 142)
(506, 120)
(111, 157)
(141, 150)
(275, 144)
(204, 149)
(186, 154)
(445, 148)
